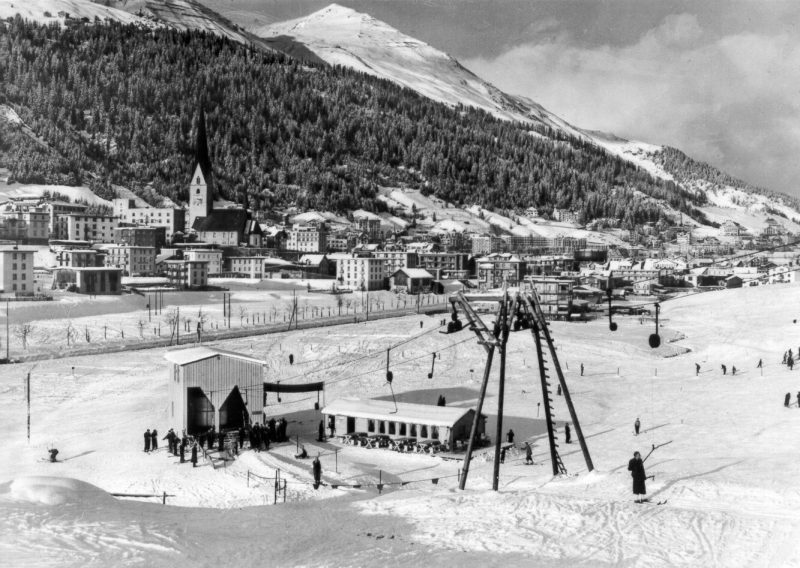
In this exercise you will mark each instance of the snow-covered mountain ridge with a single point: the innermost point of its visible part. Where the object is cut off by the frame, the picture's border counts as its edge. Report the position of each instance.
(342, 36)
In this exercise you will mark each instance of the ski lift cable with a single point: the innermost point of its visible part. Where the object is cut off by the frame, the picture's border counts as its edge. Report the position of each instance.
(360, 358)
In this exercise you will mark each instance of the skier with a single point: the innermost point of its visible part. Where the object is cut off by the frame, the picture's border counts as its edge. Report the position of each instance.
(760, 364)
(528, 454)
(53, 454)
(636, 426)
(154, 440)
(194, 454)
(790, 362)
(697, 369)
(567, 433)
(636, 467)
(147, 441)
(581, 369)
(317, 469)
(724, 370)
(733, 370)
(787, 399)
(510, 436)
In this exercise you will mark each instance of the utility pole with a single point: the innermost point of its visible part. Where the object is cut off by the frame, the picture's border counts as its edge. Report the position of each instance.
(28, 394)
(8, 336)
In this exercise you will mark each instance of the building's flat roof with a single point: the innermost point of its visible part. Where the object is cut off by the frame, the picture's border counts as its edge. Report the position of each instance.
(194, 354)
(403, 412)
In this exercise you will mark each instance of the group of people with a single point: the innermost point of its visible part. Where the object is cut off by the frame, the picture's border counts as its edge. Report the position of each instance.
(150, 440)
(788, 358)
(177, 445)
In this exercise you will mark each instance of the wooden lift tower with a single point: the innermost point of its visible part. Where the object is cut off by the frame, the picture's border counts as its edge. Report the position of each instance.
(517, 312)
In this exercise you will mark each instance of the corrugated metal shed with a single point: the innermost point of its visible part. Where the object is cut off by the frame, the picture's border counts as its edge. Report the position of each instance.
(406, 412)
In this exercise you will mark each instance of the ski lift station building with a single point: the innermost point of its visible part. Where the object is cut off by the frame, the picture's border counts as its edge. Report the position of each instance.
(211, 387)
(448, 424)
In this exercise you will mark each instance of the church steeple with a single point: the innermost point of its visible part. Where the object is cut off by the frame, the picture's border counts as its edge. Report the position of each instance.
(201, 188)
(201, 145)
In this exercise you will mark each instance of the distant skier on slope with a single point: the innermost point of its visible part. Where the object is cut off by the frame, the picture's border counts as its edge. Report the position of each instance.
(636, 467)
(697, 369)
(567, 433)
(528, 454)
(787, 399)
(636, 426)
(724, 370)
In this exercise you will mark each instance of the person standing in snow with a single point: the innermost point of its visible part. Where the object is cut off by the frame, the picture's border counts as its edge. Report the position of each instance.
(510, 436)
(733, 370)
(790, 362)
(697, 369)
(194, 454)
(798, 399)
(528, 454)
(567, 433)
(636, 467)
(316, 467)
(724, 370)
(581, 369)
(154, 440)
(787, 399)
(147, 441)
(636, 426)
(760, 364)
(321, 432)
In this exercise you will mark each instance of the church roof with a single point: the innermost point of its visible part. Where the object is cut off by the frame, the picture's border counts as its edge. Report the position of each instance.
(222, 220)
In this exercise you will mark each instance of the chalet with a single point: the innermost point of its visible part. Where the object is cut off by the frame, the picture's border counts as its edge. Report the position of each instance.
(317, 264)
(448, 424)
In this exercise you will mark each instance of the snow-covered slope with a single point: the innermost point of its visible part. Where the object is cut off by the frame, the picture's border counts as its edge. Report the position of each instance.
(342, 36)
(179, 14)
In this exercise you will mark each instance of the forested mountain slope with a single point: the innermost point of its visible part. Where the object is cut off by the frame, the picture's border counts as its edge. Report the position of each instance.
(116, 104)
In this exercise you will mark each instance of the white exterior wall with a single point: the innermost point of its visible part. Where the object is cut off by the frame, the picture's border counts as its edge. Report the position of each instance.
(16, 271)
(355, 272)
(211, 256)
(87, 227)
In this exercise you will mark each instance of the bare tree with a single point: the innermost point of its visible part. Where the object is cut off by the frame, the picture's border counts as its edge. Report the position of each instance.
(22, 332)
(72, 333)
(242, 315)
(171, 319)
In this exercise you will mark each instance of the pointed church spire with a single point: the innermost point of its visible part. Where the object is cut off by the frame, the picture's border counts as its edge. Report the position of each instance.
(201, 145)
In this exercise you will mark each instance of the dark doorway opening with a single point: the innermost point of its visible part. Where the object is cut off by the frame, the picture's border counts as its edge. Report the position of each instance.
(200, 415)
(351, 424)
(233, 412)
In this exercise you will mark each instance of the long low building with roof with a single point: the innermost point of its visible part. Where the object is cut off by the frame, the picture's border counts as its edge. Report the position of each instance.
(447, 424)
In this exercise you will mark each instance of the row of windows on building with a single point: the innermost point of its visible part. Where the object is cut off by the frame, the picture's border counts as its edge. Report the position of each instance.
(402, 429)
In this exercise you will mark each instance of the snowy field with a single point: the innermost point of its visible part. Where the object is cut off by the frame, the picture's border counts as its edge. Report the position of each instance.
(728, 477)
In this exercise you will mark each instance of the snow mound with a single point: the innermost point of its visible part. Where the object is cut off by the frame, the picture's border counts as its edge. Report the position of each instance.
(45, 490)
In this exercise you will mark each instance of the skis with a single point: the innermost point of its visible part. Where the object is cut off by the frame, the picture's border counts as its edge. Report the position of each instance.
(649, 502)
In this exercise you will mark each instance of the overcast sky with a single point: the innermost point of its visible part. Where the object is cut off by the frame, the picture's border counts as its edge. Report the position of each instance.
(719, 80)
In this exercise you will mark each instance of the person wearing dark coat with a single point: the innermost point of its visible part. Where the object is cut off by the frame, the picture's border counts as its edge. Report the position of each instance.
(696, 369)
(272, 430)
(169, 438)
(154, 440)
(510, 436)
(194, 454)
(724, 370)
(636, 467)
(787, 399)
(211, 438)
(183, 449)
(317, 469)
(567, 434)
(321, 436)
(798, 399)
(636, 426)
(241, 437)
(147, 441)
(528, 454)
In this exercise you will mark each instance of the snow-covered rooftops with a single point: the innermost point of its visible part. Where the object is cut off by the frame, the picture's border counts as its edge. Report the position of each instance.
(405, 411)
(194, 354)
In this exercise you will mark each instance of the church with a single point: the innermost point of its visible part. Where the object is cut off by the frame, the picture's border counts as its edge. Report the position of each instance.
(226, 226)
